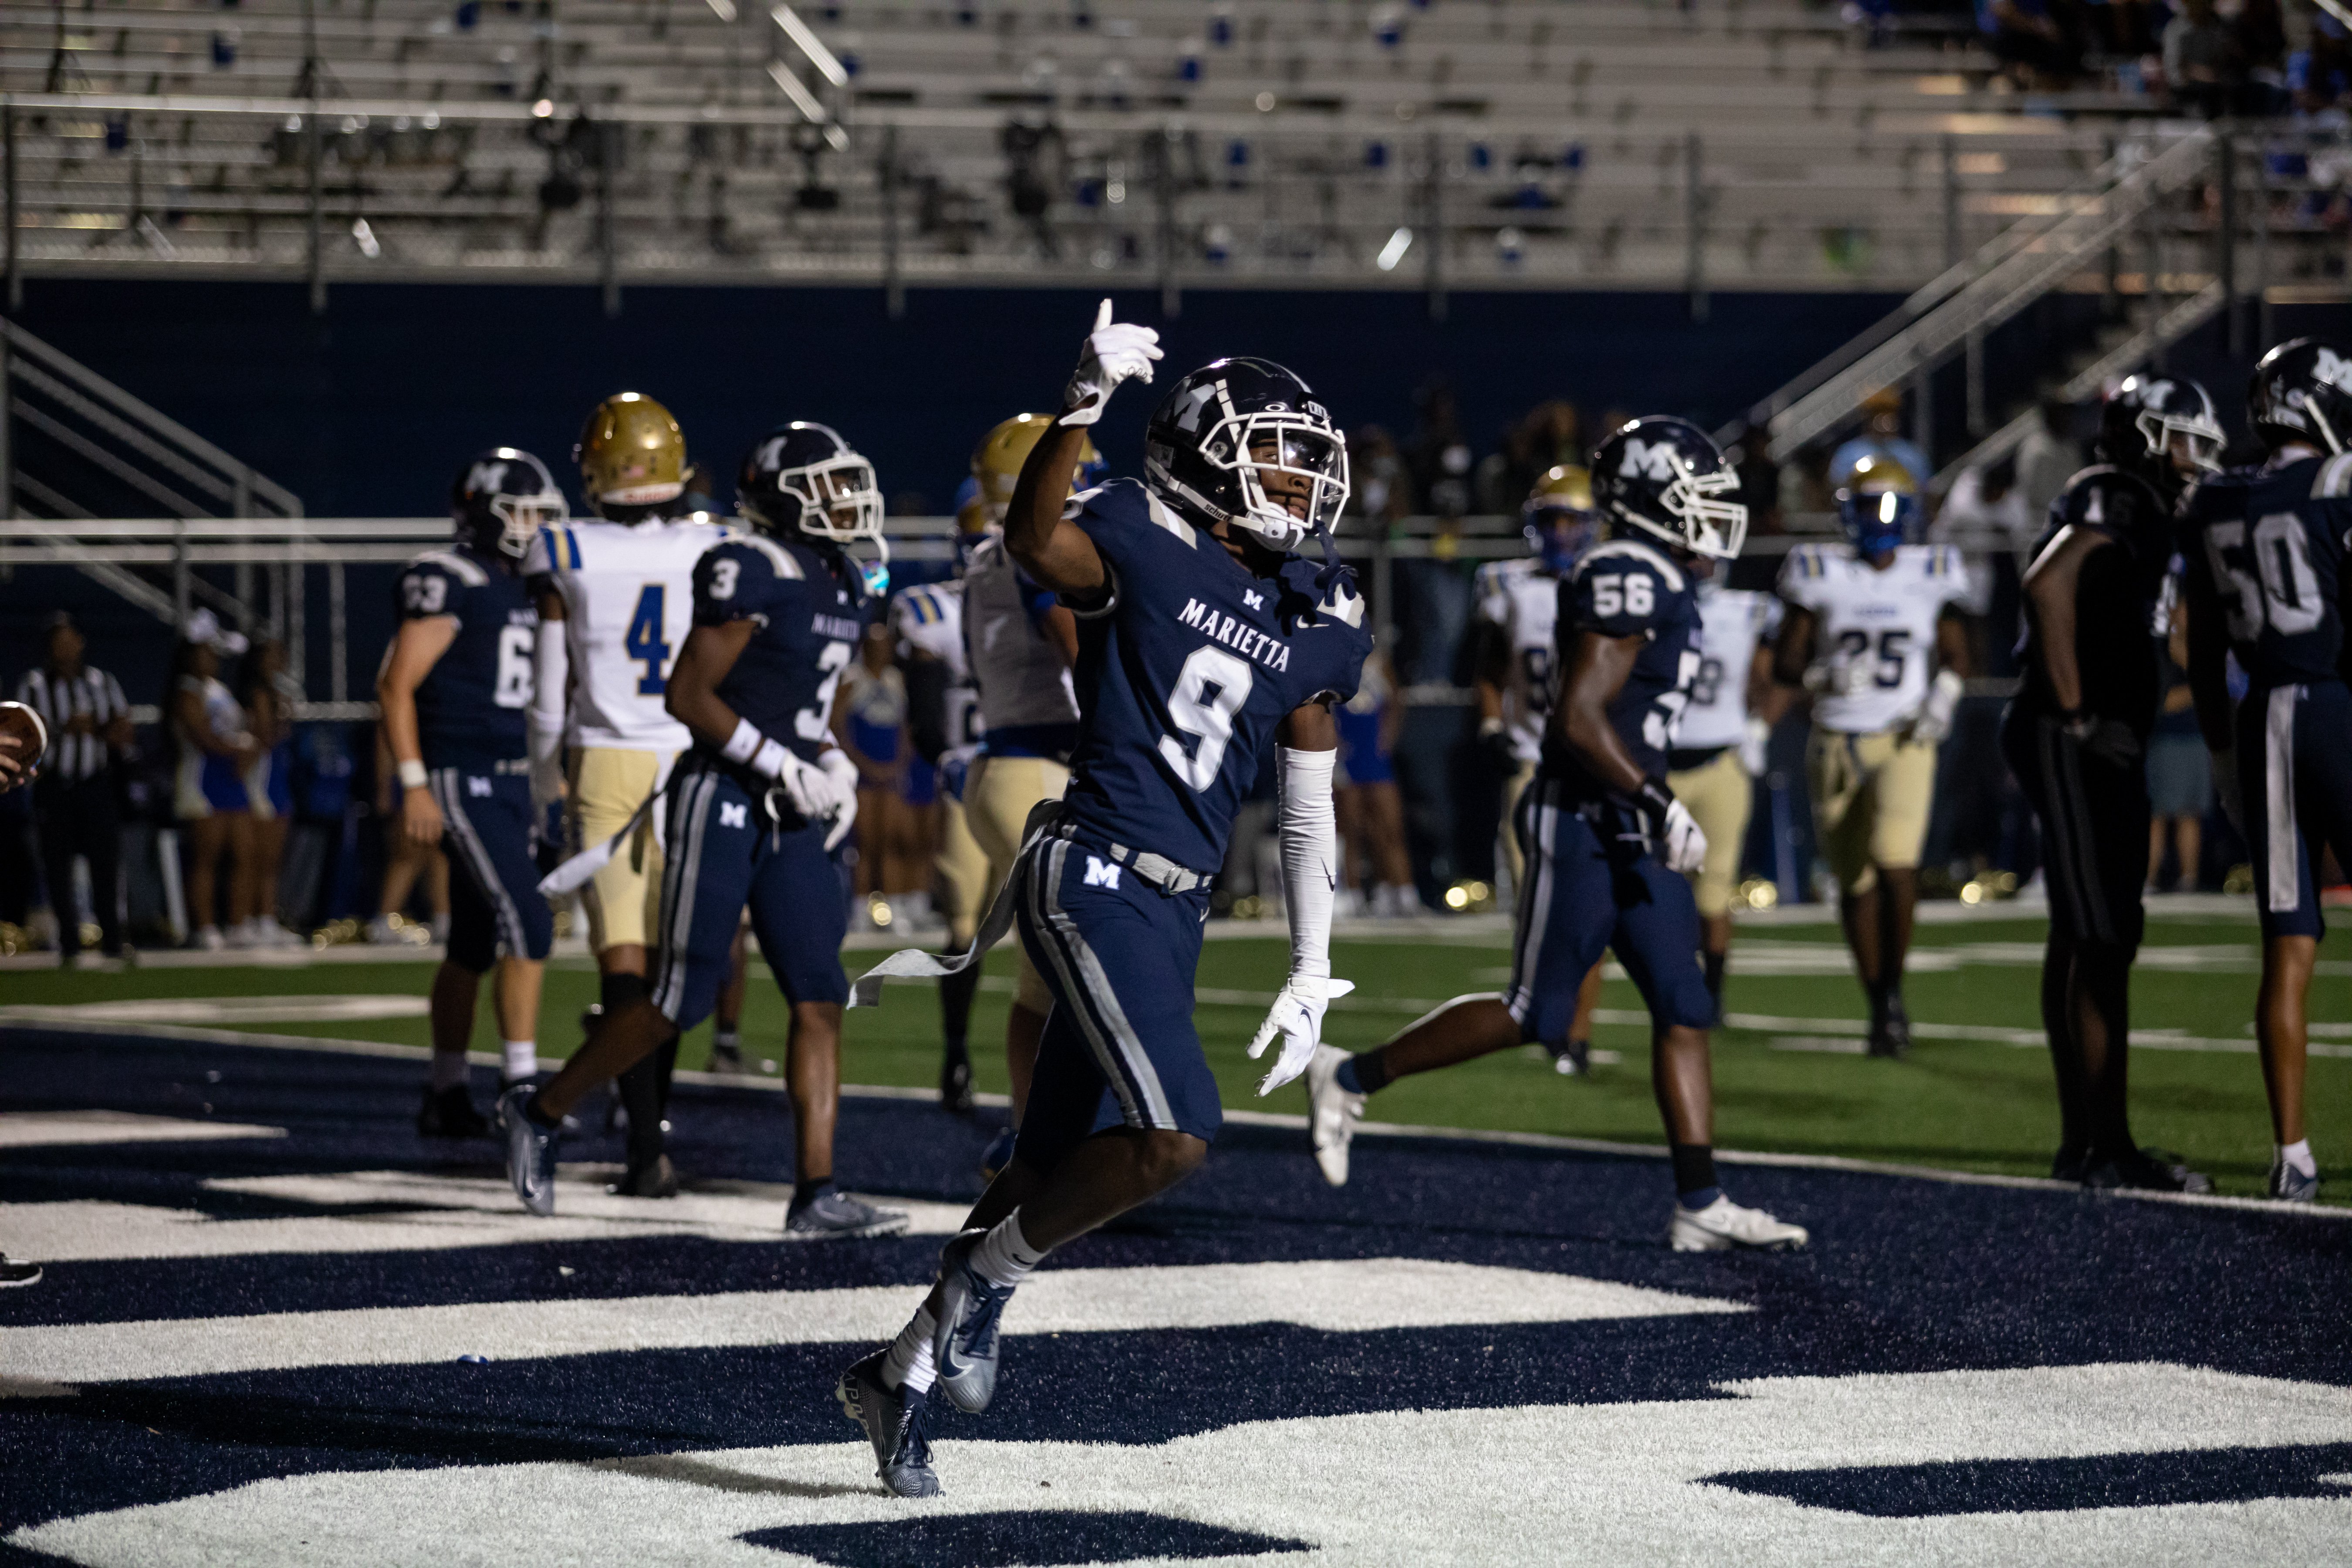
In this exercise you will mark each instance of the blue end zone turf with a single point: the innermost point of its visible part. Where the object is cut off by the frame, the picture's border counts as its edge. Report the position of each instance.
(2036, 1350)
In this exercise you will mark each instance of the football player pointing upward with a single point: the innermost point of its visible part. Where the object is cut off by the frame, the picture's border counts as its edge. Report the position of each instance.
(1201, 638)
(1606, 847)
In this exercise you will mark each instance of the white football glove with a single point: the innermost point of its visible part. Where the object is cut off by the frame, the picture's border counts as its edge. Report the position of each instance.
(1115, 352)
(1755, 743)
(837, 766)
(1935, 719)
(1685, 846)
(1297, 1016)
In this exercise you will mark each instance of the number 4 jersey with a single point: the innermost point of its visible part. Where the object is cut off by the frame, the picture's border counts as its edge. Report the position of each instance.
(628, 602)
(1625, 589)
(470, 706)
(2270, 542)
(1183, 676)
(1877, 625)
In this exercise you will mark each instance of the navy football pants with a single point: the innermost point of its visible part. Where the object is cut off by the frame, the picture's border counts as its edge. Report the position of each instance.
(494, 900)
(2294, 775)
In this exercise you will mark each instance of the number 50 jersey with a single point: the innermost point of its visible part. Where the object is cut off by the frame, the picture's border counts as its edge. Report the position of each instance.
(2271, 543)
(1184, 674)
(1882, 623)
(628, 602)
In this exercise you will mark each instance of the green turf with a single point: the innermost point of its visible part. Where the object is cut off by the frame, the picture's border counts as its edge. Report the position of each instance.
(1967, 1105)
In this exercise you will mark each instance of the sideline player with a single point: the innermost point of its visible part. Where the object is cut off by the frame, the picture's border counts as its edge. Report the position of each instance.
(615, 602)
(1518, 613)
(1720, 749)
(1024, 643)
(1864, 621)
(456, 682)
(2095, 601)
(20, 760)
(754, 814)
(1607, 847)
(1202, 639)
(2266, 554)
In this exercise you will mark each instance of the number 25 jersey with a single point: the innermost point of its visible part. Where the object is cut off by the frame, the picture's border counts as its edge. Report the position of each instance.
(628, 602)
(2271, 544)
(1881, 622)
(1183, 676)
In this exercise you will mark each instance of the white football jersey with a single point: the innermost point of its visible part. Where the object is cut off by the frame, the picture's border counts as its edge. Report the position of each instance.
(628, 602)
(928, 618)
(1732, 623)
(1021, 675)
(1877, 629)
(1523, 599)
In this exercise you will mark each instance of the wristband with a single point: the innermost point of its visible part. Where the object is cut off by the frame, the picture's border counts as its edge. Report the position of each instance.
(412, 774)
(769, 761)
(744, 743)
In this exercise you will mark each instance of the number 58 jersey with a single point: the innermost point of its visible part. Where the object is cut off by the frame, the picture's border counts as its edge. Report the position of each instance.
(628, 602)
(2271, 544)
(1877, 625)
(1185, 674)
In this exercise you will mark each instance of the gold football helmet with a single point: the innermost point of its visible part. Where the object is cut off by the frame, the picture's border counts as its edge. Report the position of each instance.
(631, 454)
(1559, 518)
(997, 464)
(1566, 488)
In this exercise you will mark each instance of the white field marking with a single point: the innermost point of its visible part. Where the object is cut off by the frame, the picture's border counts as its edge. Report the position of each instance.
(60, 1129)
(1825, 1045)
(332, 1008)
(442, 1212)
(1569, 1484)
(1342, 1296)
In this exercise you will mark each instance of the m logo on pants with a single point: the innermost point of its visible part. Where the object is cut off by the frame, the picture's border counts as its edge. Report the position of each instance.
(734, 815)
(1101, 875)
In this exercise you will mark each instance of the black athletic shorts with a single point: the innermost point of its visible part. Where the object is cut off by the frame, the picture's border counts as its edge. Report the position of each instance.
(2095, 816)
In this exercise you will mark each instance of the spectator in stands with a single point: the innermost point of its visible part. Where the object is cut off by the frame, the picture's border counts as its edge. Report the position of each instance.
(1546, 437)
(216, 748)
(1383, 489)
(268, 695)
(1439, 457)
(1882, 436)
(2260, 31)
(1759, 483)
(1986, 510)
(2047, 458)
(74, 808)
(2179, 768)
(1376, 872)
(2319, 78)
(2031, 40)
(2203, 72)
(696, 497)
(870, 718)
(1805, 487)
(404, 860)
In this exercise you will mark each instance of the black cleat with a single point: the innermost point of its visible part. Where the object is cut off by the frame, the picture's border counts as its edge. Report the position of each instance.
(955, 1083)
(1890, 1028)
(2146, 1171)
(16, 1271)
(2071, 1165)
(893, 1420)
(656, 1179)
(450, 1113)
(1572, 1058)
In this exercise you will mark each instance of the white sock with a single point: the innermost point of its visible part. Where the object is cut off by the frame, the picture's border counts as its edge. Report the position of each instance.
(2298, 1155)
(522, 1058)
(909, 1366)
(449, 1069)
(1004, 1256)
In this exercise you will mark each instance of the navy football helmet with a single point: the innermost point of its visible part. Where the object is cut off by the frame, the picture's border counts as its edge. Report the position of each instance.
(2302, 391)
(501, 499)
(1879, 507)
(1222, 430)
(2163, 430)
(804, 479)
(1663, 476)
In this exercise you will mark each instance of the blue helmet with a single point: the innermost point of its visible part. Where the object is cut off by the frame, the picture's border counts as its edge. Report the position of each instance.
(501, 499)
(1879, 507)
(1664, 476)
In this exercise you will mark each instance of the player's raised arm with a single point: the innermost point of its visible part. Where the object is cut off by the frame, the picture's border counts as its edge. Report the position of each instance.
(1053, 551)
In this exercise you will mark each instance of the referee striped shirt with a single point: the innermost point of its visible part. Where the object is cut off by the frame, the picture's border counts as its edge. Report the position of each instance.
(58, 700)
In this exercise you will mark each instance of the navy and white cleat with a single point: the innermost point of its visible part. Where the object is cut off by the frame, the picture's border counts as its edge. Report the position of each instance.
(965, 1346)
(530, 1151)
(998, 1155)
(894, 1424)
(2289, 1185)
(1331, 1114)
(837, 1217)
(1724, 1224)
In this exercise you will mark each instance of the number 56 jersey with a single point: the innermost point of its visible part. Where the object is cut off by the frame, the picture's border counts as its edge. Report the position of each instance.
(1184, 674)
(628, 602)
(1624, 589)
(1884, 622)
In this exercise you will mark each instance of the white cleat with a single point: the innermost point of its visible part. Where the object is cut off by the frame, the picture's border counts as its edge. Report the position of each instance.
(1331, 1114)
(1724, 1224)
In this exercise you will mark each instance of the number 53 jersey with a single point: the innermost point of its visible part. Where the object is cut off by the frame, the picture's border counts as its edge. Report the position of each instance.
(1183, 676)
(628, 602)
(1877, 627)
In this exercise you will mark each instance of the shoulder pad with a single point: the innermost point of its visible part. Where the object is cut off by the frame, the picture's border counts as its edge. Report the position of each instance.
(2333, 479)
(1633, 552)
(784, 563)
(455, 564)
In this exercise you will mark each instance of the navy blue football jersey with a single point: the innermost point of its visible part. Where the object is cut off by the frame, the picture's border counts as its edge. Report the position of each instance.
(810, 606)
(1183, 676)
(2269, 544)
(1624, 589)
(2122, 606)
(470, 704)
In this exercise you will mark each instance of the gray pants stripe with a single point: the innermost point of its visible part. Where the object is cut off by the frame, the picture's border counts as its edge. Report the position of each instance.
(1118, 1049)
(447, 788)
(680, 873)
(2282, 840)
(1535, 895)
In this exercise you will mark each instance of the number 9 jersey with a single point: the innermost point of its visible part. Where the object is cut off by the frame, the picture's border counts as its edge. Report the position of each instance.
(1876, 627)
(470, 706)
(1625, 589)
(1184, 674)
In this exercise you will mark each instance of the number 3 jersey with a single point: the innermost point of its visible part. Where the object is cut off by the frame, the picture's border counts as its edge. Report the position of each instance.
(1624, 589)
(628, 602)
(1183, 676)
(1878, 627)
(2271, 544)
(810, 606)
(470, 706)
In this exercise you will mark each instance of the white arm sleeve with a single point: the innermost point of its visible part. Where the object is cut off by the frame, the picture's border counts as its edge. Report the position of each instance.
(1310, 855)
(550, 673)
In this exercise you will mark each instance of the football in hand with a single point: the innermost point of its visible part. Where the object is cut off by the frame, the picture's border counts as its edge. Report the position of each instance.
(27, 741)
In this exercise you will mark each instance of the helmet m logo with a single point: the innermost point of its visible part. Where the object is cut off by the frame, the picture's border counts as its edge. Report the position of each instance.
(1651, 459)
(2332, 368)
(1189, 419)
(487, 480)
